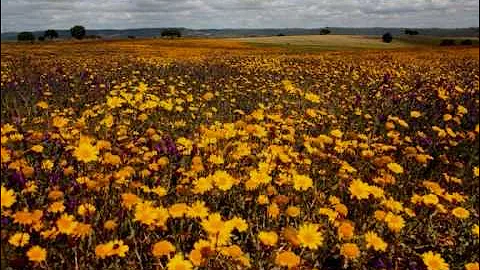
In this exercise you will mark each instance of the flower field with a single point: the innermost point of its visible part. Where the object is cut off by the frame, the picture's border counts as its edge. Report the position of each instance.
(216, 155)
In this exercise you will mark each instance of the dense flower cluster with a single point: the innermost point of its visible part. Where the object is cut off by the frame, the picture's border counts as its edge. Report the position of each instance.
(254, 159)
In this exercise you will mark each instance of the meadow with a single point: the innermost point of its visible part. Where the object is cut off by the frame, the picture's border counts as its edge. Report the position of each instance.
(216, 154)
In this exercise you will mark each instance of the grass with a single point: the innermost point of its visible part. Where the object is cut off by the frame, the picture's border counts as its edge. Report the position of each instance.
(312, 43)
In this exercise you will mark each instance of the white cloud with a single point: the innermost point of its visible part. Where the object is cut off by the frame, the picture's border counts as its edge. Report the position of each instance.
(17, 15)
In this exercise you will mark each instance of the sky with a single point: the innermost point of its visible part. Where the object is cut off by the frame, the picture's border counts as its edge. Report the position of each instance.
(30, 15)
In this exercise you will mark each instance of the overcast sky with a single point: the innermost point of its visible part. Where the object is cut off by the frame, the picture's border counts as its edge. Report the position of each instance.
(19, 15)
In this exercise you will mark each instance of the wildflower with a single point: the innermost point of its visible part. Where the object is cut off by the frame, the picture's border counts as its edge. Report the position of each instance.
(8, 197)
(198, 210)
(273, 210)
(434, 261)
(104, 250)
(460, 212)
(37, 148)
(287, 259)
(179, 263)
(302, 182)
(56, 207)
(178, 210)
(37, 254)
(472, 266)
(359, 189)
(394, 222)
(86, 152)
(86, 209)
(119, 248)
(293, 211)
(223, 180)
(350, 251)
(110, 224)
(375, 242)
(475, 230)
(19, 239)
(345, 230)
(309, 236)
(395, 167)
(268, 238)
(415, 114)
(162, 248)
(66, 224)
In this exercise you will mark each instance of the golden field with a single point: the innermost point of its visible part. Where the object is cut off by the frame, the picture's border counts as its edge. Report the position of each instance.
(215, 154)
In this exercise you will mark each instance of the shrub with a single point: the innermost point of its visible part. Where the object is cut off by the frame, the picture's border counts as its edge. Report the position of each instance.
(325, 31)
(78, 32)
(466, 42)
(51, 34)
(25, 36)
(171, 33)
(447, 42)
(387, 37)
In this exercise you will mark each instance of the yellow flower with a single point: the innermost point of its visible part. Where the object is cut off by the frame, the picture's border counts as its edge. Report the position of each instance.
(394, 222)
(162, 248)
(350, 251)
(287, 258)
(198, 210)
(119, 248)
(395, 167)
(434, 261)
(460, 212)
(238, 223)
(37, 254)
(86, 209)
(475, 230)
(213, 223)
(86, 152)
(273, 210)
(56, 207)
(336, 133)
(42, 104)
(345, 230)
(430, 199)
(223, 180)
(37, 148)
(309, 236)
(268, 238)
(375, 242)
(104, 250)
(359, 189)
(415, 114)
(472, 266)
(110, 224)
(8, 197)
(179, 263)
(178, 210)
(293, 211)
(66, 224)
(19, 239)
(302, 182)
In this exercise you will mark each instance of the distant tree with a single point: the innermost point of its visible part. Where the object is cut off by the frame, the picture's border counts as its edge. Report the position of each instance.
(411, 32)
(51, 34)
(78, 32)
(25, 36)
(387, 37)
(466, 42)
(280, 35)
(325, 31)
(171, 33)
(41, 38)
(131, 37)
(447, 42)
